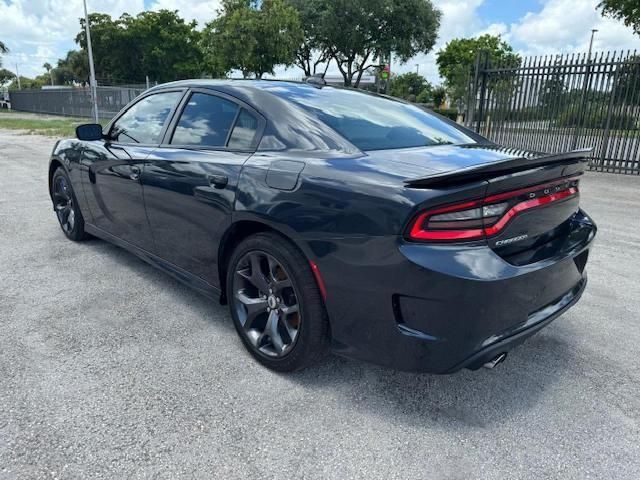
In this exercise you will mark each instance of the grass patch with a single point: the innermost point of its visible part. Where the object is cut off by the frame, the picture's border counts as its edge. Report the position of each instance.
(58, 127)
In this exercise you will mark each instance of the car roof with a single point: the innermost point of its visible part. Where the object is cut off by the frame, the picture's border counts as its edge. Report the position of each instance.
(241, 84)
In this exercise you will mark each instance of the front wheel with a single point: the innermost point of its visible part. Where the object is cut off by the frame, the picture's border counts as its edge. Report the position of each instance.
(275, 303)
(66, 206)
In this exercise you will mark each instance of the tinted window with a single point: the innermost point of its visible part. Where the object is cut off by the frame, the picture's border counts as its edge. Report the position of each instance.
(244, 131)
(371, 122)
(143, 122)
(205, 120)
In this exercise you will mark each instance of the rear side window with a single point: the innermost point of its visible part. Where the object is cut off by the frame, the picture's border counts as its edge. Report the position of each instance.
(244, 131)
(371, 122)
(144, 121)
(206, 120)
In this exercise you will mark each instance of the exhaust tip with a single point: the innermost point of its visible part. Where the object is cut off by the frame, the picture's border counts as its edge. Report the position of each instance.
(495, 361)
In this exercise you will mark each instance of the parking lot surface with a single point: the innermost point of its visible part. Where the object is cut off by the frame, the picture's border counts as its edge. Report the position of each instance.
(111, 369)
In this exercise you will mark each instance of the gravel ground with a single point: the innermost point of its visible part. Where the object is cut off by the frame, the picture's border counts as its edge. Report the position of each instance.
(110, 369)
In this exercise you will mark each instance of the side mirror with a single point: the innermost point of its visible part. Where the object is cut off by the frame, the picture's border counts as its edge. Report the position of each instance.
(89, 131)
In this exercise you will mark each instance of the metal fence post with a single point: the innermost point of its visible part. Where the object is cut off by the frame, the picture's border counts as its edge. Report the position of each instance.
(483, 90)
(607, 128)
(472, 93)
(583, 103)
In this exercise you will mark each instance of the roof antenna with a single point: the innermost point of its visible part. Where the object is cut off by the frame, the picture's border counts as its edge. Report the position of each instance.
(316, 79)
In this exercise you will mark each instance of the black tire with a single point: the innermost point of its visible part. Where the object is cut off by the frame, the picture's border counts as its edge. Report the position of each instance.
(311, 325)
(66, 206)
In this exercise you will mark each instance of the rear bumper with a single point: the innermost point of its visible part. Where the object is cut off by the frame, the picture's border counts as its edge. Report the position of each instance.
(438, 309)
(536, 322)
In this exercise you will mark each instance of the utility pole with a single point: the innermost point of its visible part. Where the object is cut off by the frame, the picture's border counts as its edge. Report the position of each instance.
(417, 69)
(18, 77)
(92, 72)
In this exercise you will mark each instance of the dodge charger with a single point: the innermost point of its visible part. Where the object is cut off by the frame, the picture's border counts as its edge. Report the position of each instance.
(331, 219)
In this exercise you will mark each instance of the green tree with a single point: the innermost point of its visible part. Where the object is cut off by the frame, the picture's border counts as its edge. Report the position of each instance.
(72, 69)
(626, 10)
(252, 36)
(627, 81)
(438, 96)
(457, 59)
(169, 46)
(552, 90)
(112, 54)
(310, 54)
(410, 85)
(6, 76)
(47, 66)
(357, 32)
(159, 44)
(27, 83)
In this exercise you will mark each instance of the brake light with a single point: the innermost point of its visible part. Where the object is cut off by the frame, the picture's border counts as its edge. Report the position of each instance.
(477, 219)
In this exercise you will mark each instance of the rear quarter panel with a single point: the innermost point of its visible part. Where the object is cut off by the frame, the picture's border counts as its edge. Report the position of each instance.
(337, 195)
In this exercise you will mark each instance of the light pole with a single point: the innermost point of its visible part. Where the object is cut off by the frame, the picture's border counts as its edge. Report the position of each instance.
(593, 32)
(417, 69)
(92, 72)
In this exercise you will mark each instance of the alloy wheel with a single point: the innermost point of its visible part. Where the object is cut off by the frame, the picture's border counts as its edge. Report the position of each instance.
(266, 304)
(63, 204)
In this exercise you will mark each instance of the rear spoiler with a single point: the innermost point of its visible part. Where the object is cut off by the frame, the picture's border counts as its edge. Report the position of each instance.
(489, 170)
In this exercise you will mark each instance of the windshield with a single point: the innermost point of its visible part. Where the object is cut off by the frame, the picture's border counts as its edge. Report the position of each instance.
(371, 122)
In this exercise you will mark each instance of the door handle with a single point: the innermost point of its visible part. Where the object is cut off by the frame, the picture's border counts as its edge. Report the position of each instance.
(135, 172)
(218, 181)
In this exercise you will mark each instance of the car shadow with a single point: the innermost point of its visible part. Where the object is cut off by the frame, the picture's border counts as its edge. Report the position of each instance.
(466, 398)
(201, 305)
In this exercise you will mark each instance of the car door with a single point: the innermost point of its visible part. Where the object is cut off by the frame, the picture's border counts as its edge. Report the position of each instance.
(114, 166)
(190, 181)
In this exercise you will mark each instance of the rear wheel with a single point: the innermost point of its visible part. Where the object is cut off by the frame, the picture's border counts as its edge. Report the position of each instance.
(66, 206)
(275, 303)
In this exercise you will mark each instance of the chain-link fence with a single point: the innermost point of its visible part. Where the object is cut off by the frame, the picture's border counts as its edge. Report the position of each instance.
(74, 102)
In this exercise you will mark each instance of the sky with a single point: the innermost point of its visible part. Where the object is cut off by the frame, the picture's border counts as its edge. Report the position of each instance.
(39, 31)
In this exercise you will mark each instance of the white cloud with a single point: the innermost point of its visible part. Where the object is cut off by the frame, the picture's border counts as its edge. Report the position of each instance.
(497, 29)
(559, 26)
(565, 26)
(39, 31)
(459, 19)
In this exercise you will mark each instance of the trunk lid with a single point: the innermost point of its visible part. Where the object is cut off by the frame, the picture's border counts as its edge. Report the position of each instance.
(531, 196)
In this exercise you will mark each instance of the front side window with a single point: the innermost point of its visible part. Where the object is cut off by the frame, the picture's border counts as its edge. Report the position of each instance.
(144, 121)
(371, 122)
(206, 121)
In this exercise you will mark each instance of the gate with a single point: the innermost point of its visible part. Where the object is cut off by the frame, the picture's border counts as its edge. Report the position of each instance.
(557, 103)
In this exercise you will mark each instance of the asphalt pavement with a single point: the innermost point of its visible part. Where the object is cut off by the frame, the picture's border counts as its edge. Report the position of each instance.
(111, 369)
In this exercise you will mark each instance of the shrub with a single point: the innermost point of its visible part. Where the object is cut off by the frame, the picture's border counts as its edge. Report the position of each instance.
(450, 113)
(595, 116)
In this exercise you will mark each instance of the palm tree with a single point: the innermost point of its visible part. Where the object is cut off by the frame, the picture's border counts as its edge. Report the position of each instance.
(3, 49)
(47, 66)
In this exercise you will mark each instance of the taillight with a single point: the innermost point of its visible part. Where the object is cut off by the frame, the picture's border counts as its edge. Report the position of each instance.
(477, 219)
